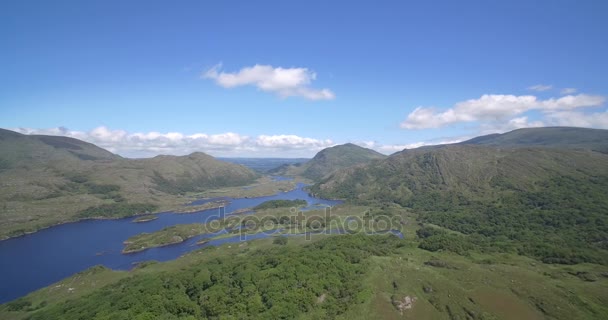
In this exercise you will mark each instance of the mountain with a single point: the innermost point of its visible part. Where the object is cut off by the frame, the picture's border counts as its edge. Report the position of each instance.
(473, 171)
(515, 199)
(338, 157)
(557, 137)
(49, 179)
(329, 160)
(18, 148)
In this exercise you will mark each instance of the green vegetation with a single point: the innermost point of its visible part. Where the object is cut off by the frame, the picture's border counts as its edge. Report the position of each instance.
(188, 182)
(197, 208)
(279, 283)
(342, 277)
(338, 157)
(533, 202)
(271, 218)
(49, 180)
(117, 210)
(434, 239)
(447, 286)
(555, 137)
(329, 160)
(78, 285)
(271, 204)
(167, 236)
(552, 223)
(490, 233)
(264, 186)
(281, 240)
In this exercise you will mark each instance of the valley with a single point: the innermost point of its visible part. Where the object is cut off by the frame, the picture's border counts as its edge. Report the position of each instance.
(463, 231)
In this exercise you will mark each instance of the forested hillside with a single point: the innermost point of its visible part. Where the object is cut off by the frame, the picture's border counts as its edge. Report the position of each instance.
(547, 203)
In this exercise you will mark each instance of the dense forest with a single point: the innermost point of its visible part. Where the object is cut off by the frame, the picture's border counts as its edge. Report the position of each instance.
(553, 224)
(321, 279)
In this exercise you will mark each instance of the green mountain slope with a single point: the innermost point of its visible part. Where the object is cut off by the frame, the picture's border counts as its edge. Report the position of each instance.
(559, 137)
(17, 149)
(476, 172)
(338, 157)
(546, 203)
(329, 160)
(47, 180)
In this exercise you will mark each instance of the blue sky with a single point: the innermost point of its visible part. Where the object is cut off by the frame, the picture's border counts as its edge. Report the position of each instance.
(269, 78)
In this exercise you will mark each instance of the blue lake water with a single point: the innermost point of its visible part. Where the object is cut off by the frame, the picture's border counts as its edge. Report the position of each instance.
(37, 260)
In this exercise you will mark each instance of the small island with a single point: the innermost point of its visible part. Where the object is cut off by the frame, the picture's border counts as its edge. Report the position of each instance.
(202, 242)
(144, 218)
(273, 204)
(167, 236)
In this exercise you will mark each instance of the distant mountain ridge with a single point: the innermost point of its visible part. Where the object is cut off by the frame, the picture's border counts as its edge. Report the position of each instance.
(470, 170)
(523, 154)
(557, 137)
(48, 179)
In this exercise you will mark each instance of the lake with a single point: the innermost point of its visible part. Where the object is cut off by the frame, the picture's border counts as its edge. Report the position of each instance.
(34, 261)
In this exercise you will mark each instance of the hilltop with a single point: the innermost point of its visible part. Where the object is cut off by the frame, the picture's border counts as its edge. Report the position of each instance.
(329, 160)
(50, 179)
(556, 137)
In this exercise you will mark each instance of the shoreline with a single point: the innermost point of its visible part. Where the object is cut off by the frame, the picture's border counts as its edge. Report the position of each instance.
(68, 221)
(4, 238)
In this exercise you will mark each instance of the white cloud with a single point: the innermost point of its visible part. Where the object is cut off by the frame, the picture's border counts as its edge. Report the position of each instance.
(367, 144)
(540, 87)
(571, 102)
(223, 144)
(579, 119)
(515, 123)
(495, 107)
(568, 91)
(291, 141)
(392, 148)
(227, 139)
(285, 82)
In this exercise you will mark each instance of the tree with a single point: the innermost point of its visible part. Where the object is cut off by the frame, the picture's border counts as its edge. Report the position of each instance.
(281, 240)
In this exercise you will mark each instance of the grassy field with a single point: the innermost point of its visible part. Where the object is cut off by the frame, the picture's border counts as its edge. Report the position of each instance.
(448, 286)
